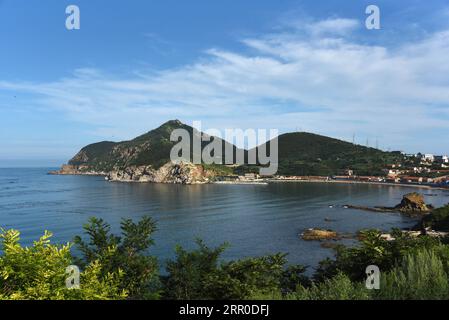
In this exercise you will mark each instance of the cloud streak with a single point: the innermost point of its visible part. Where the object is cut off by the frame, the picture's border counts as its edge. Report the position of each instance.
(317, 79)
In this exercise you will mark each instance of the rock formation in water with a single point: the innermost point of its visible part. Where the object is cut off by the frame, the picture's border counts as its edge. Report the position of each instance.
(413, 203)
(319, 234)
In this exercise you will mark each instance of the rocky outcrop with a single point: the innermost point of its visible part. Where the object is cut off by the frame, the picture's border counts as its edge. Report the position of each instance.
(319, 234)
(146, 158)
(372, 209)
(181, 173)
(413, 203)
(176, 173)
(68, 169)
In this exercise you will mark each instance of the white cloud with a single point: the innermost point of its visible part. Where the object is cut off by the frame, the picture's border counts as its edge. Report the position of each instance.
(322, 82)
(333, 26)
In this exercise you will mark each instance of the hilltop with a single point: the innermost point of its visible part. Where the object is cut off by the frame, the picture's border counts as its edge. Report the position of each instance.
(144, 159)
(303, 153)
(147, 158)
(150, 149)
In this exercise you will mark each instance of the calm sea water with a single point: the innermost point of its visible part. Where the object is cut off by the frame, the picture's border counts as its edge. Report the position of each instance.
(254, 219)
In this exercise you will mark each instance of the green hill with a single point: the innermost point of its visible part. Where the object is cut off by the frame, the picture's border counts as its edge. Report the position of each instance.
(299, 154)
(152, 148)
(311, 154)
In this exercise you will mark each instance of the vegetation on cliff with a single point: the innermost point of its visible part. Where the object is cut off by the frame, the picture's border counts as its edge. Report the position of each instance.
(150, 149)
(299, 154)
(304, 154)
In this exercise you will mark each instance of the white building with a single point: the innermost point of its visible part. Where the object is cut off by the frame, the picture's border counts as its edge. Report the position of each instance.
(429, 157)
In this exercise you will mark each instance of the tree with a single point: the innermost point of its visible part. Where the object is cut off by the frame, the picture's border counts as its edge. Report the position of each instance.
(199, 274)
(372, 250)
(420, 276)
(128, 252)
(339, 287)
(241, 279)
(188, 273)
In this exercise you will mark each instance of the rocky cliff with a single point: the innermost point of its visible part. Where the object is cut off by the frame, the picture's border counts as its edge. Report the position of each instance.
(143, 159)
(182, 173)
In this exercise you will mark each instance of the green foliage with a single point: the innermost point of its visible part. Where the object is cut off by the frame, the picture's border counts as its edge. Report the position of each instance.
(127, 253)
(119, 267)
(292, 277)
(420, 276)
(339, 287)
(38, 272)
(372, 250)
(187, 274)
(150, 149)
(437, 220)
(299, 154)
(239, 280)
(199, 274)
(310, 154)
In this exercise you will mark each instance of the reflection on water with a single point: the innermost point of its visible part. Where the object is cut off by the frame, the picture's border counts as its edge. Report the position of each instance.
(254, 219)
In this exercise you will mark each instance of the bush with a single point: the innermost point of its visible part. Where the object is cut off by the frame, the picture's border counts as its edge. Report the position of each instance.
(421, 276)
(339, 287)
(372, 250)
(128, 253)
(200, 275)
(188, 272)
(437, 220)
(239, 280)
(38, 272)
(119, 267)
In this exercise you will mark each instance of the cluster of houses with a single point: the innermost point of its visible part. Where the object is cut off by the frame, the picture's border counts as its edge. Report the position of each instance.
(430, 159)
(429, 169)
(405, 179)
(432, 169)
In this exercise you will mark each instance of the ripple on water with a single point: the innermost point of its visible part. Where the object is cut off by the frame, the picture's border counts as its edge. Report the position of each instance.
(256, 220)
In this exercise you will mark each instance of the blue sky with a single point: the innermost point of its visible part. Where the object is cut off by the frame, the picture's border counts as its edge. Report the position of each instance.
(284, 64)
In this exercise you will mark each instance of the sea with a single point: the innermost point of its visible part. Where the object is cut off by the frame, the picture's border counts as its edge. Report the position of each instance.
(254, 220)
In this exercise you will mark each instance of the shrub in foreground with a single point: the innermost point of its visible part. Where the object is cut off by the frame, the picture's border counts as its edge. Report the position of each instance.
(38, 272)
(128, 253)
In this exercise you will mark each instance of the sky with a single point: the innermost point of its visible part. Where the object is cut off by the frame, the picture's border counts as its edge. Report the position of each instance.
(276, 64)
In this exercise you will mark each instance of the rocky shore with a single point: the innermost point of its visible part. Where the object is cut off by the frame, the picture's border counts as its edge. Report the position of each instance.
(433, 222)
(412, 204)
(174, 173)
(319, 234)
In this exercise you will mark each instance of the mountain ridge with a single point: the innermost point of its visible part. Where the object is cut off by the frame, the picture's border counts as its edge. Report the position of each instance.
(300, 153)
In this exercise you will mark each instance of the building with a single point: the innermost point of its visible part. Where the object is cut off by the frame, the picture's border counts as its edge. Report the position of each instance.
(429, 157)
(250, 176)
(409, 179)
(442, 159)
(393, 172)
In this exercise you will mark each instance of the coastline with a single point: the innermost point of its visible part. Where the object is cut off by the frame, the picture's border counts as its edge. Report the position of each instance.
(268, 181)
(419, 186)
